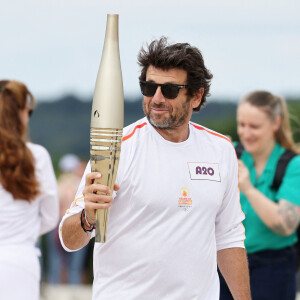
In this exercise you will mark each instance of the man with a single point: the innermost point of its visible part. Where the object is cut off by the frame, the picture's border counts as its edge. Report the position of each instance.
(176, 211)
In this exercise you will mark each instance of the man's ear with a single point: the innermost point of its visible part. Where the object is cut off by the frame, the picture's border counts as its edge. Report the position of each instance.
(197, 98)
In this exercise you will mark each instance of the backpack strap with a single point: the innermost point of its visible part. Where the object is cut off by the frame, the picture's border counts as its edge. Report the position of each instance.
(239, 148)
(281, 167)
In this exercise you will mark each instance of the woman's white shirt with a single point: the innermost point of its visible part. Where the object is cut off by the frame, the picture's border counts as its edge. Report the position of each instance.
(22, 222)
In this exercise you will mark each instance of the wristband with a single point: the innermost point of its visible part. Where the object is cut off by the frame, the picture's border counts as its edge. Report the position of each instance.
(82, 222)
(87, 222)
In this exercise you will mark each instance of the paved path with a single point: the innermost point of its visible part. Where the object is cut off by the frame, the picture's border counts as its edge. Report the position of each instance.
(69, 292)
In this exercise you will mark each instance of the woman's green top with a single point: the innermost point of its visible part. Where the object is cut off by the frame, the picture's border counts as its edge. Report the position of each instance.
(259, 237)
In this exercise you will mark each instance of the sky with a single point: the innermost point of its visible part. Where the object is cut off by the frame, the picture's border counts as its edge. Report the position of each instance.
(55, 47)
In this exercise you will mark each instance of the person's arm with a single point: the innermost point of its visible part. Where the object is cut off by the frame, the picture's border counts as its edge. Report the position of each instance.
(282, 217)
(233, 265)
(230, 233)
(48, 197)
(73, 236)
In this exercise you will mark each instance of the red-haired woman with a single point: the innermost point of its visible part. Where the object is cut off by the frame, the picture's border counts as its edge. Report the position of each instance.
(28, 195)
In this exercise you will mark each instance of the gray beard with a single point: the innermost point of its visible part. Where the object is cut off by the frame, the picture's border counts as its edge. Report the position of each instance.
(172, 122)
(166, 124)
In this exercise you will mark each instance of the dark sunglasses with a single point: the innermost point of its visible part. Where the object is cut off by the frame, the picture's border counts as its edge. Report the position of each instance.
(169, 90)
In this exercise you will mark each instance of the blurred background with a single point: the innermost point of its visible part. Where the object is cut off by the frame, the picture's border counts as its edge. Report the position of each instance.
(55, 49)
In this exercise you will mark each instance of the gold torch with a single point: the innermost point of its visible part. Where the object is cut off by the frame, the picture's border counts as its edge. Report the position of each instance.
(107, 118)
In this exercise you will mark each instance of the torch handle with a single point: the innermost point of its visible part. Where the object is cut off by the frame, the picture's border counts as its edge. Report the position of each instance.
(105, 147)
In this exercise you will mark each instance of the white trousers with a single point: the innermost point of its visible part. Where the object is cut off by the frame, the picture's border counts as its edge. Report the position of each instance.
(19, 273)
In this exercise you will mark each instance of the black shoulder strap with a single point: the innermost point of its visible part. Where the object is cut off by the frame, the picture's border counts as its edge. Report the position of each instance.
(282, 164)
(239, 148)
(281, 167)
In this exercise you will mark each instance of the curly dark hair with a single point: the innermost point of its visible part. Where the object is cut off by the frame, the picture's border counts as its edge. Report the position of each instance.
(160, 54)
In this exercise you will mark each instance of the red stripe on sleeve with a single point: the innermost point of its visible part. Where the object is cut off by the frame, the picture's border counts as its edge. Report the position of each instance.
(214, 133)
(132, 133)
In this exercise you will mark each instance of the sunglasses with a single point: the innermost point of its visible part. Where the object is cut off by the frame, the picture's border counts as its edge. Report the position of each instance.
(169, 90)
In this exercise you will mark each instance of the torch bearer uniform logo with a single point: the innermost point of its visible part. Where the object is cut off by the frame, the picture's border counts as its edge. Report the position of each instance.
(185, 201)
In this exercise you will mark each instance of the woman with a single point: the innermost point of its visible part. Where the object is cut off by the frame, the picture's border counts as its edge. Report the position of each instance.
(272, 216)
(28, 195)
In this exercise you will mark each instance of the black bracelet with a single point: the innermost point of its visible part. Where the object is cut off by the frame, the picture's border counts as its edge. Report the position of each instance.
(82, 224)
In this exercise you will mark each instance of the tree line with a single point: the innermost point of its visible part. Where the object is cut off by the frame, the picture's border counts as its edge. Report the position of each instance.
(63, 125)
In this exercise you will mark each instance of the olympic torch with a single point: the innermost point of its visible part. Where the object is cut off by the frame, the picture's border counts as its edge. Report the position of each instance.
(107, 118)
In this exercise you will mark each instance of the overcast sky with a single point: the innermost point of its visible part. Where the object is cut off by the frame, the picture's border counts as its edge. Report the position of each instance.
(55, 47)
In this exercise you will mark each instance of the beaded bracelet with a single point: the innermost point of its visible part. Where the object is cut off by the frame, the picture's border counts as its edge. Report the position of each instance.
(87, 222)
(83, 225)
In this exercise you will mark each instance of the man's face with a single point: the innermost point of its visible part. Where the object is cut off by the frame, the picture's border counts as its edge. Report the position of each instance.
(166, 113)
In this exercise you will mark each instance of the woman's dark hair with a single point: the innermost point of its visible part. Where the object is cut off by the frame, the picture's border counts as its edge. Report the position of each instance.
(17, 171)
(183, 56)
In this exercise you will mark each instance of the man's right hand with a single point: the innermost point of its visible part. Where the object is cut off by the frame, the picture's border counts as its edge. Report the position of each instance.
(92, 199)
(72, 234)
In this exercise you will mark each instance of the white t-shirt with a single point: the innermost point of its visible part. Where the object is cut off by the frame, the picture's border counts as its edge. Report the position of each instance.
(178, 204)
(21, 223)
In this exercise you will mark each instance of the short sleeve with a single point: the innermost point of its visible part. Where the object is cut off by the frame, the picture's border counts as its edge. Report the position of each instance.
(230, 231)
(290, 187)
(49, 202)
(48, 197)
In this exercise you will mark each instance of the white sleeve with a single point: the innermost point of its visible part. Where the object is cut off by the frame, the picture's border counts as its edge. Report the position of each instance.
(48, 198)
(76, 207)
(230, 231)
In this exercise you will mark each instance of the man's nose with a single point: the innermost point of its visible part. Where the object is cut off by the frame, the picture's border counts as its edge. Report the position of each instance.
(158, 96)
